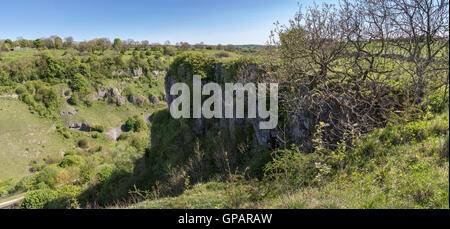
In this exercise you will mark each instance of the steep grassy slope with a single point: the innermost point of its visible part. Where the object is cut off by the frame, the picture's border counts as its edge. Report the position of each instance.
(23, 137)
(400, 166)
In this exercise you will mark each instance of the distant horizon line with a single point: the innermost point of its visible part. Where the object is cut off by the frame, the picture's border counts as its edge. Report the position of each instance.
(150, 43)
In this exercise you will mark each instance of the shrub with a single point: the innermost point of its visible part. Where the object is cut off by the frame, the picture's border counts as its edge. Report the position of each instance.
(140, 125)
(196, 63)
(74, 99)
(21, 90)
(293, 169)
(38, 199)
(53, 158)
(48, 176)
(140, 143)
(66, 197)
(98, 128)
(83, 143)
(435, 100)
(71, 160)
(136, 124)
(104, 172)
(130, 123)
(26, 183)
(80, 84)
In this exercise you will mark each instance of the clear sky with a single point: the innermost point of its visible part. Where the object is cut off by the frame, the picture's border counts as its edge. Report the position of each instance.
(210, 21)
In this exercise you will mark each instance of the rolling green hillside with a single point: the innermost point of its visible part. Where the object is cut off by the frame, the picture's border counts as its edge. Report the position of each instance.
(24, 137)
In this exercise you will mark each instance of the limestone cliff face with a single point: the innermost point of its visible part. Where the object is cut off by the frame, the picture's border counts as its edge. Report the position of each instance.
(296, 130)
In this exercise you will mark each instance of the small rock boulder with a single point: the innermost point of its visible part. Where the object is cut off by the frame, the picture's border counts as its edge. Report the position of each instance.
(137, 100)
(153, 99)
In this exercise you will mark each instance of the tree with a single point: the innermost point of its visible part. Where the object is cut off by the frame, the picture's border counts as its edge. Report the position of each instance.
(184, 46)
(50, 66)
(103, 44)
(420, 35)
(331, 63)
(144, 44)
(58, 43)
(82, 46)
(68, 42)
(80, 84)
(200, 45)
(230, 47)
(22, 42)
(48, 42)
(38, 43)
(117, 44)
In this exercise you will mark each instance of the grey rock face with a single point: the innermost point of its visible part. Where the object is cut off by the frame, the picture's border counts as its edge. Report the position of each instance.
(120, 101)
(82, 126)
(101, 94)
(153, 99)
(137, 100)
(70, 111)
(114, 92)
(297, 130)
(137, 72)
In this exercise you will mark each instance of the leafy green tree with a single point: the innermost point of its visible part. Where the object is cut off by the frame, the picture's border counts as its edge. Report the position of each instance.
(58, 43)
(80, 84)
(38, 43)
(140, 125)
(117, 44)
(136, 124)
(48, 176)
(130, 123)
(68, 42)
(50, 66)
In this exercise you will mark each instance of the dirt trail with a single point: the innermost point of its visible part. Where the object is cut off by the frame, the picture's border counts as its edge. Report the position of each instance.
(11, 202)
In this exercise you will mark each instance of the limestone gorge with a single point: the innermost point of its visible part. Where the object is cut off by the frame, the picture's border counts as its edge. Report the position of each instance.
(344, 106)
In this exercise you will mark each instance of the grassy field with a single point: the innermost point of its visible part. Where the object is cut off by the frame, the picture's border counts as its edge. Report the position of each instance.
(201, 196)
(23, 137)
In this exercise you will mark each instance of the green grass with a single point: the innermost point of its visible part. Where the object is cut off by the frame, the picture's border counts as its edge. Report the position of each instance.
(10, 56)
(201, 196)
(23, 137)
(111, 116)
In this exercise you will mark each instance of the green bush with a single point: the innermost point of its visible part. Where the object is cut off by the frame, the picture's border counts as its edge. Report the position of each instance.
(435, 100)
(71, 160)
(80, 84)
(38, 199)
(104, 172)
(21, 90)
(195, 63)
(48, 176)
(83, 143)
(136, 124)
(98, 128)
(67, 198)
(140, 125)
(74, 99)
(130, 123)
(26, 183)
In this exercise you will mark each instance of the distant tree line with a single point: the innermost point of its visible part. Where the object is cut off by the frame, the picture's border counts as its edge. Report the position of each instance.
(103, 44)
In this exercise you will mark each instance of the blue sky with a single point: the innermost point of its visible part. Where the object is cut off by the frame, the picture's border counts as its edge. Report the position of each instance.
(210, 21)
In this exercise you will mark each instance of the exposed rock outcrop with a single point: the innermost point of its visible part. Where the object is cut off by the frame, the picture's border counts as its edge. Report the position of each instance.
(153, 99)
(137, 100)
(69, 111)
(298, 129)
(82, 126)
